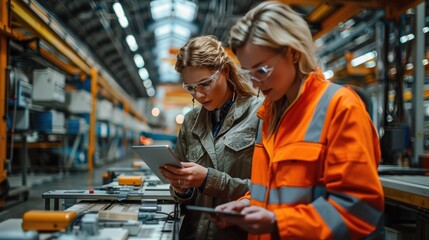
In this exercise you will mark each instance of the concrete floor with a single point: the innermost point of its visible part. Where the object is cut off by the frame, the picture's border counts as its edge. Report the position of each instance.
(41, 183)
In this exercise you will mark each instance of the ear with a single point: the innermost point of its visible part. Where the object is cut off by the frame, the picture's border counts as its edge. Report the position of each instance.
(295, 55)
(226, 70)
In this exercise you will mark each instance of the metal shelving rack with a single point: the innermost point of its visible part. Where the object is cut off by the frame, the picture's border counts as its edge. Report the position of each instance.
(63, 51)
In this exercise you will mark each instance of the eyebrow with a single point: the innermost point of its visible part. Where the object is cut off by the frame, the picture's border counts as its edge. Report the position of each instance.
(199, 81)
(257, 65)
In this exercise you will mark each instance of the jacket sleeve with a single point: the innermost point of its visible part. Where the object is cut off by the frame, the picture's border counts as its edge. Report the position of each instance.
(352, 206)
(218, 181)
(181, 153)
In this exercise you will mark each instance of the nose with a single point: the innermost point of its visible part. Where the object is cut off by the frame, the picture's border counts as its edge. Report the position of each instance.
(198, 94)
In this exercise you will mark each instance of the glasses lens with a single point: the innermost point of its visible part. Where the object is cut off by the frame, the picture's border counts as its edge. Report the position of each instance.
(189, 88)
(203, 86)
(261, 73)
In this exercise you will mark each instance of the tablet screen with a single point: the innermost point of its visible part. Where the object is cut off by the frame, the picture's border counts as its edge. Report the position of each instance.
(156, 156)
(212, 211)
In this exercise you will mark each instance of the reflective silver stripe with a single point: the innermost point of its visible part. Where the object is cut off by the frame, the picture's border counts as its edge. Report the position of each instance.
(257, 192)
(318, 121)
(332, 218)
(259, 132)
(319, 191)
(291, 195)
(358, 208)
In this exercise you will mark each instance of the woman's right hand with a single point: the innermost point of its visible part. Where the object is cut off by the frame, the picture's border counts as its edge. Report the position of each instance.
(230, 206)
(236, 206)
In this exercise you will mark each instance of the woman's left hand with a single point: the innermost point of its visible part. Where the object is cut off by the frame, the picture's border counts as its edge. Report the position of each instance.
(257, 220)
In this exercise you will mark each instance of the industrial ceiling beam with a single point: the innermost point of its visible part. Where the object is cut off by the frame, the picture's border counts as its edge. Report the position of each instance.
(349, 8)
(38, 26)
(66, 67)
(340, 15)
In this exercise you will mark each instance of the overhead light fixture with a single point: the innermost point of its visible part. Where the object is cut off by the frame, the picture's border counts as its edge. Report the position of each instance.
(138, 60)
(406, 38)
(370, 64)
(179, 118)
(147, 83)
(181, 31)
(362, 59)
(132, 43)
(120, 14)
(161, 9)
(163, 30)
(155, 112)
(328, 74)
(150, 92)
(144, 74)
(185, 10)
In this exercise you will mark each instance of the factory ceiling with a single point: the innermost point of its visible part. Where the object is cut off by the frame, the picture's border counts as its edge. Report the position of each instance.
(136, 40)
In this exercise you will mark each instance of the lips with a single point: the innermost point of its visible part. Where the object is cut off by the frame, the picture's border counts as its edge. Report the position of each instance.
(206, 103)
(266, 92)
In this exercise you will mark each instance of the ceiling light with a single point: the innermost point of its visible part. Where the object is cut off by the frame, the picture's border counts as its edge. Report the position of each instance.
(132, 43)
(138, 60)
(161, 9)
(364, 58)
(163, 30)
(328, 74)
(155, 112)
(150, 92)
(182, 31)
(120, 14)
(143, 73)
(147, 83)
(370, 64)
(185, 10)
(180, 118)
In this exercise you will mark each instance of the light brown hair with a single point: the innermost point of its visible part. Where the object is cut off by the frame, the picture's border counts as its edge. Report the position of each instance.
(208, 52)
(276, 25)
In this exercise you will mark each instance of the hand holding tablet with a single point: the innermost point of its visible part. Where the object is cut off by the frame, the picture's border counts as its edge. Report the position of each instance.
(156, 156)
(214, 212)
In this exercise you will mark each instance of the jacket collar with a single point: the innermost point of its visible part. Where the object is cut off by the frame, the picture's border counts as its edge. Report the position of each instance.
(313, 80)
(237, 110)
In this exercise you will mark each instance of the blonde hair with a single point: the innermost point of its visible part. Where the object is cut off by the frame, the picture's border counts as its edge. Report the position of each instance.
(208, 52)
(275, 25)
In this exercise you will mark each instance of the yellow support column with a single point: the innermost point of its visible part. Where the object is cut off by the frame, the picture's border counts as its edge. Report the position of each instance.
(92, 120)
(4, 24)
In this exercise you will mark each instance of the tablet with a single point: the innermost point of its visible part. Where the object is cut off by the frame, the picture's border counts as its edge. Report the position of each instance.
(214, 212)
(156, 156)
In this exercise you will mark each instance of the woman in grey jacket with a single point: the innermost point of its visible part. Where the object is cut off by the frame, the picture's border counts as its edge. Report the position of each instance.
(216, 140)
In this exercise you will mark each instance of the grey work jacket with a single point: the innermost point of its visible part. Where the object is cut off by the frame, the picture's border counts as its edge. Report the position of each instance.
(228, 157)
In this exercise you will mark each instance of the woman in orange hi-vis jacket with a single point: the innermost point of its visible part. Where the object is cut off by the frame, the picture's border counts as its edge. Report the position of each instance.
(314, 172)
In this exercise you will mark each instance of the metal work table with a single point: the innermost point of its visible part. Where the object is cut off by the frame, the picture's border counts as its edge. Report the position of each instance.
(165, 227)
(413, 190)
(118, 193)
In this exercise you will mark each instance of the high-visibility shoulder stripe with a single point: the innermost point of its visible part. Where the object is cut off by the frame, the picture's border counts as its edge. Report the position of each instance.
(291, 195)
(315, 128)
(257, 192)
(332, 218)
(358, 208)
(287, 195)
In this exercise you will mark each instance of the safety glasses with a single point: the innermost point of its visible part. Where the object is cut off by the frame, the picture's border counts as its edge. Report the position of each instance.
(262, 73)
(202, 86)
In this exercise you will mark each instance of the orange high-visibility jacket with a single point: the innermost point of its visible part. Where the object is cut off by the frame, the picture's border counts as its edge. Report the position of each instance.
(318, 172)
